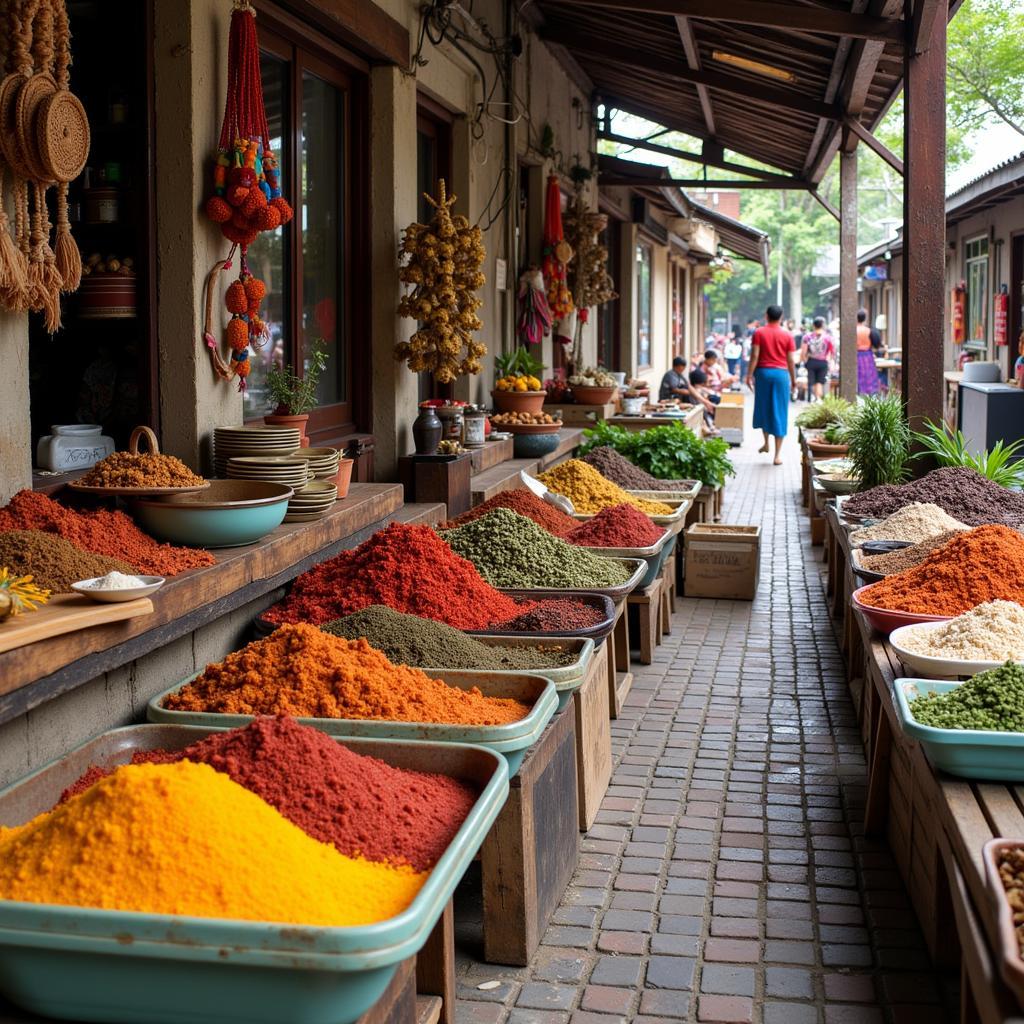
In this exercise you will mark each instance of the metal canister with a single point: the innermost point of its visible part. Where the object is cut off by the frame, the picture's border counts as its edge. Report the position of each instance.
(451, 417)
(473, 434)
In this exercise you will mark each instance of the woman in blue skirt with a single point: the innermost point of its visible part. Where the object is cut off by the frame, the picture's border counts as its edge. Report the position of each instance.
(772, 377)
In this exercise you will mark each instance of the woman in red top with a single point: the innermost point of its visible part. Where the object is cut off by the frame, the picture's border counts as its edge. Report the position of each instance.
(772, 377)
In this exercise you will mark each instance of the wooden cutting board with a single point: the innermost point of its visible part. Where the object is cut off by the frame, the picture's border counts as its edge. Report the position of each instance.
(66, 613)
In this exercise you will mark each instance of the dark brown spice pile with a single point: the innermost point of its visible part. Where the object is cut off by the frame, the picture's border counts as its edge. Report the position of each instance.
(53, 562)
(964, 493)
(617, 468)
(906, 558)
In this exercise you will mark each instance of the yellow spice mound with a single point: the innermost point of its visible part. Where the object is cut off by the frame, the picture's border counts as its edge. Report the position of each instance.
(184, 839)
(590, 492)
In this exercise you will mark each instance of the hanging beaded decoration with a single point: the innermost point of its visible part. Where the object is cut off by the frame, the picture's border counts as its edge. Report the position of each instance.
(246, 196)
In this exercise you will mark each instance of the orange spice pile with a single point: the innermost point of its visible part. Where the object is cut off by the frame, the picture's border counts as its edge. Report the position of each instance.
(983, 564)
(140, 469)
(300, 670)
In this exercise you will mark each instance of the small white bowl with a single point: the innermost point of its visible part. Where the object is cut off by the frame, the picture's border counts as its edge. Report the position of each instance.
(152, 583)
(932, 667)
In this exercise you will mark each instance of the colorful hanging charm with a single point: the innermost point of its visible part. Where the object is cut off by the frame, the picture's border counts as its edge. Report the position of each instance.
(534, 312)
(247, 196)
(556, 252)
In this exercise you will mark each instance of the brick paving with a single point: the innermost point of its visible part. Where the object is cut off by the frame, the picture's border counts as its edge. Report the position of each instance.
(726, 878)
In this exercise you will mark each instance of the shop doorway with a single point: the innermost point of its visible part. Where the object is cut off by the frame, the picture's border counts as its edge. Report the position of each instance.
(1016, 300)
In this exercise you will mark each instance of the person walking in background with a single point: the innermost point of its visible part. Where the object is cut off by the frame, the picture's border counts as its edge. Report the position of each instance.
(772, 376)
(816, 353)
(734, 352)
(867, 372)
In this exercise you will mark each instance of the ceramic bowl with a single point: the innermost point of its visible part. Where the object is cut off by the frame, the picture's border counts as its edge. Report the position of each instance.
(150, 584)
(531, 446)
(518, 401)
(929, 666)
(885, 620)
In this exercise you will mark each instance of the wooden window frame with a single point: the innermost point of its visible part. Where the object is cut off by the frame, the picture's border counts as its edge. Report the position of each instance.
(304, 52)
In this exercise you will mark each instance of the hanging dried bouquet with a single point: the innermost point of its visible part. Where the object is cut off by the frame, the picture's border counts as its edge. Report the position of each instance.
(442, 261)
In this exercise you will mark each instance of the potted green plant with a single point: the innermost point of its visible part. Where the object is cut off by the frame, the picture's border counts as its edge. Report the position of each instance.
(294, 397)
(518, 387)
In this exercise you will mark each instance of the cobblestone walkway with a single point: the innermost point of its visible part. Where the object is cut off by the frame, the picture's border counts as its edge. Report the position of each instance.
(726, 878)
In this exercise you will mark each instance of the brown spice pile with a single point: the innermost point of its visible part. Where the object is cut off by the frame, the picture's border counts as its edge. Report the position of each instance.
(300, 670)
(131, 469)
(51, 561)
(906, 558)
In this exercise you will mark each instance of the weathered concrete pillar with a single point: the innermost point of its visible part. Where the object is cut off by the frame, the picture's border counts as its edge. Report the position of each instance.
(191, 76)
(392, 207)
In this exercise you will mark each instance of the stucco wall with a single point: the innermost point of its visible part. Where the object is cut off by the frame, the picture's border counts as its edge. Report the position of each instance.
(15, 429)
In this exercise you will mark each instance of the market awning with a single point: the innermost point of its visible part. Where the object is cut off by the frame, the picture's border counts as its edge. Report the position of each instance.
(775, 81)
(737, 237)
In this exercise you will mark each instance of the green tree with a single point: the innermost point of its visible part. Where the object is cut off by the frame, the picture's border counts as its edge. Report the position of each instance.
(986, 65)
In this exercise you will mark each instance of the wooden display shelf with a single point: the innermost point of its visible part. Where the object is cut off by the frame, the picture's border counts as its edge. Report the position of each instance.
(29, 676)
(580, 415)
(530, 854)
(593, 738)
(620, 678)
(647, 607)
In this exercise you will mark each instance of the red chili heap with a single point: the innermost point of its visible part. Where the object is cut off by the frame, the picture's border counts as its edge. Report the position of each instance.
(526, 503)
(408, 568)
(621, 526)
(557, 616)
(358, 804)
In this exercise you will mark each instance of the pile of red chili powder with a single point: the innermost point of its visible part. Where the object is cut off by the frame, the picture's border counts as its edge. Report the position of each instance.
(526, 503)
(408, 568)
(102, 532)
(620, 526)
(358, 804)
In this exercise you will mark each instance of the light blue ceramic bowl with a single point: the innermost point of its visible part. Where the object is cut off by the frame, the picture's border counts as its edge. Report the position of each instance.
(228, 514)
(969, 753)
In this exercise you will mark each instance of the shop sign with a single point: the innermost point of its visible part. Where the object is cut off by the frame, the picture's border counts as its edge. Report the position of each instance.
(958, 313)
(1000, 319)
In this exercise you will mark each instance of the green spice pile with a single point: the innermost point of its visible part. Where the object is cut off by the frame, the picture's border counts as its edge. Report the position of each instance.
(410, 640)
(992, 701)
(512, 551)
(53, 562)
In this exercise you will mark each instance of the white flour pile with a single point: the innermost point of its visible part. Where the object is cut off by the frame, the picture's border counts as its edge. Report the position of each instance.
(993, 631)
(914, 522)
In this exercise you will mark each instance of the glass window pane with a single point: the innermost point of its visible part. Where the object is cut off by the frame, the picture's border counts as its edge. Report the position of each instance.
(643, 315)
(322, 226)
(268, 253)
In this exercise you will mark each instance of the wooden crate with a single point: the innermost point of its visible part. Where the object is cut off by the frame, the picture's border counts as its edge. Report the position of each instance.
(620, 678)
(530, 854)
(435, 966)
(593, 738)
(646, 612)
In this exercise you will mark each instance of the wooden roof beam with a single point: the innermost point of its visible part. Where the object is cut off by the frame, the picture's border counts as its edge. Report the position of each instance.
(693, 59)
(768, 15)
(875, 144)
(922, 23)
(580, 44)
(697, 158)
(704, 184)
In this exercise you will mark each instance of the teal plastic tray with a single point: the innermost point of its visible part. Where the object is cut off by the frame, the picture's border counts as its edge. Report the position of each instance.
(566, 678)
(636, 567)
(513, 740)
(654, 555)
(83, 964)
(968, 753)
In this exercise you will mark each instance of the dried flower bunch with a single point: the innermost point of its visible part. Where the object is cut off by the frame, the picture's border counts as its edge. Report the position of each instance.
(589, 280)
(442, 261)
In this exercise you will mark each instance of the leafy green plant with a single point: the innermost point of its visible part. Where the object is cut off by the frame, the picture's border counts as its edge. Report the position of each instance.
(834, 433)
(296, 394)
(669, 452)
(950, 449)
(516, 362)
(830, 409)
(878, 439)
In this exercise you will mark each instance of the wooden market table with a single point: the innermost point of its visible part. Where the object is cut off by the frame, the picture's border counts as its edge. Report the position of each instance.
(934, 824)
(694, 420)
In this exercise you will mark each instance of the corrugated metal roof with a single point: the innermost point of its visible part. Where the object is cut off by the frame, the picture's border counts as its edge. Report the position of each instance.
(1010, 161)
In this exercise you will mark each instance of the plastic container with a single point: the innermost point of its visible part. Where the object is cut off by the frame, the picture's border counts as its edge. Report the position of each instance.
(969, 753)
(513, 740)
(930, 667)
(104, 965)
(1011, 965)
(566, 678)
(637, 568)
(597, 632)
(885, 620)
(654, 555)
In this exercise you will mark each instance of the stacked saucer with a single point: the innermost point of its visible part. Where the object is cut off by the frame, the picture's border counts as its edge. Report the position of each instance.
(312, 502)
(237, 442)
(323, 461)
(290, 471)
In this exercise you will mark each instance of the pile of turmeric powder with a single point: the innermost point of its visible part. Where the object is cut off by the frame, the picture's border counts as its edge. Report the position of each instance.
(590, 492)
(302, 671)
(185, 839)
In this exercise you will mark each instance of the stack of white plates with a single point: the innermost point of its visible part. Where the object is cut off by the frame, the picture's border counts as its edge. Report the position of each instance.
(290, 471)
(323, 461)
(312, 502)
(236, 442)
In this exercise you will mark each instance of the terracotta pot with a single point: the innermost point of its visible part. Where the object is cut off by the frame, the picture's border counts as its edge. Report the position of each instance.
(344, 477)
(299, 422)
(591, 395)
(519, 401)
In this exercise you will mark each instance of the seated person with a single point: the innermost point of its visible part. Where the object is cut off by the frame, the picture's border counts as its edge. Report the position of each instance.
(698, 387)
(717, 379)
(674, 385)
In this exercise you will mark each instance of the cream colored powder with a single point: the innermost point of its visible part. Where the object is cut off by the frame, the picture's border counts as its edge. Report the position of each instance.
(993, 631)
(914, 522)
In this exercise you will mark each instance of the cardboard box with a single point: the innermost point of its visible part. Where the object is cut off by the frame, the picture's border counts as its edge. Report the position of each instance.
(721, 561)
(733, 398)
